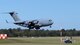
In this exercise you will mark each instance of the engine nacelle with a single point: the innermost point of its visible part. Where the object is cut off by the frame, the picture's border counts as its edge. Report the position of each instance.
(31, 24)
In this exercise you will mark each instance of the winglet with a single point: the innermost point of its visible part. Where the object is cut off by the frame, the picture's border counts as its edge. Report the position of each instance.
(7, 21)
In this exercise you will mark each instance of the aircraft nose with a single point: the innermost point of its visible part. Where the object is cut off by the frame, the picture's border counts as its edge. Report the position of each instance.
(51, 22)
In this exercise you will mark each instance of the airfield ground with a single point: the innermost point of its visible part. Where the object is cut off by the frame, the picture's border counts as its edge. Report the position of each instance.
(37, 41)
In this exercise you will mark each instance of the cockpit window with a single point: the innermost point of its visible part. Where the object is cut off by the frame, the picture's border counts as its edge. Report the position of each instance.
(50, 20)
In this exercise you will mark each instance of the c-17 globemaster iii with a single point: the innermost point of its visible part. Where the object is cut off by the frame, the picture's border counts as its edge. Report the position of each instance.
(31, 24)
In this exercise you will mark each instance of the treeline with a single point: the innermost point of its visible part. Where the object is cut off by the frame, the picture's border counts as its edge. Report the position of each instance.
(39, 33)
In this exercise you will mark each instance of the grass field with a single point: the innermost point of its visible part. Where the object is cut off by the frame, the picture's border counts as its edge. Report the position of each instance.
(37, 41)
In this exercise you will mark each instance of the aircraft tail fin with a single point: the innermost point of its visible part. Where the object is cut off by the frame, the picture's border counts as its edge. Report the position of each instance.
(14, 16)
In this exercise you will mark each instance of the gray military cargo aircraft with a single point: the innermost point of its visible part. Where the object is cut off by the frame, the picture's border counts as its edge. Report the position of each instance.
(31, 24)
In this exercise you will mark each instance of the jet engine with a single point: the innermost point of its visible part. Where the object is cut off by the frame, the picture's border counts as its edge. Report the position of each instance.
(33, 24)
